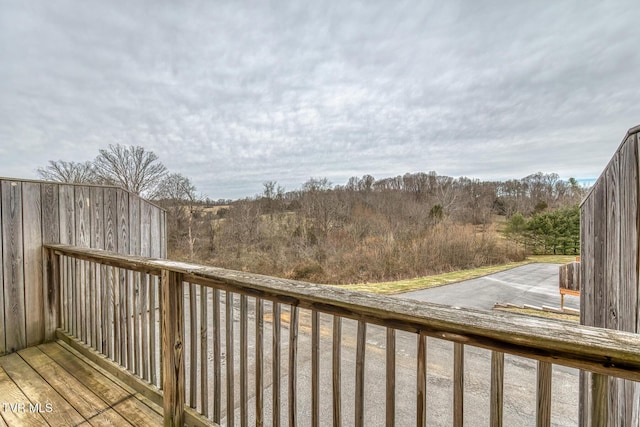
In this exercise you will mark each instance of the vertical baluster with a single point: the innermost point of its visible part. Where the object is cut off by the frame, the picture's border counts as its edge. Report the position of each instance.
(422, 381)
(293, 357)
(337, 387)
(217, 363)
(360, 355)
(115, 281)
(230, 362)
(204, 352)
(276, 365)
(599, 399)
(144, 324)
(136, 322)
(391, 378)
(243, 361)
(315, 369)
(193, 346)
(458, 384)
(259, 362)
(153, 376)
(497, 388)
(543, 395)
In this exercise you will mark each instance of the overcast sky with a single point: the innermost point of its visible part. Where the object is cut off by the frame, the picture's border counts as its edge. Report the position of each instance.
(233, 94)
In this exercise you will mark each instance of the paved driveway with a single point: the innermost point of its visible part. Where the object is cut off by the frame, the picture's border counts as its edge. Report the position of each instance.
(534, 284)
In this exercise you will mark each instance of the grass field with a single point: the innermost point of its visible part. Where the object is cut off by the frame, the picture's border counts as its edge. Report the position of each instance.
(400, 286)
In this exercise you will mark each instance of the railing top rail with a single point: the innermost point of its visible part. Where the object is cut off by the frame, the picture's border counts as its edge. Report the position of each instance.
(598, 350)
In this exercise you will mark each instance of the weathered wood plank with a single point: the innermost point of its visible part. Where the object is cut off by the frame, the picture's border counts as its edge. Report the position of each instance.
(68, 235)
(293, 366)
(458, 384)
(204, 351)
(134, 282)
(611, 286)
(497, 389)
(244, 359)
(50, 234)
(110, 219)
(599, 400)
(275, 370)
(82, 398)
(193, 345)
(144, 325)
(12, 393)
(83, 239)
(229, 345)
(543, 395)
(12, 264)
(421, 391)
(336, 372)
(172, 348)
(315, 369)
(39, 391)
(628, 304)
(217, 364)
(360, 356)
(33, 274)
(390, 392)
(97, 241)
(259, 391)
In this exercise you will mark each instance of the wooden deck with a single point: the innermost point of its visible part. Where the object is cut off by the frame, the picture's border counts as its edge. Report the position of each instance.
(52, 384)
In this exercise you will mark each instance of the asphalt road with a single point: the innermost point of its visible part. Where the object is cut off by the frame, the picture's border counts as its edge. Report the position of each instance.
(534, 284)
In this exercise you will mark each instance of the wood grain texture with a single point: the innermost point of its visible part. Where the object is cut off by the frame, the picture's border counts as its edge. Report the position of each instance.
(336, 372)
(33, 262)
(458, 384)
(13, 267)
(293, 365)
(50, 234)
(360, 364)
(172, 348)
(390, 392)
(315, 369)
(275, 367)
(244, 361)
(497, 389)
(259, 385)
(421, 375)
(229, 345)
(543, 395)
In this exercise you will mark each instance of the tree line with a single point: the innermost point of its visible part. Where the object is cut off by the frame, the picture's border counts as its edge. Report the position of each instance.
(365, 230)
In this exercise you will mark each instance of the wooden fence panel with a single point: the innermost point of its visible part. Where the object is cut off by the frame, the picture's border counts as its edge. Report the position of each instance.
(34, 289)
(14, 309)
(609, 267)
(33, 213)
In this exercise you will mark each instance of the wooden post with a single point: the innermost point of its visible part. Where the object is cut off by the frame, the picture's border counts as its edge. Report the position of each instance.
(52, 292)
(172, 349)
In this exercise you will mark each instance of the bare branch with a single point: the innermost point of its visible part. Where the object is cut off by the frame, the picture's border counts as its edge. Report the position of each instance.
(131, 167)
(70, 172)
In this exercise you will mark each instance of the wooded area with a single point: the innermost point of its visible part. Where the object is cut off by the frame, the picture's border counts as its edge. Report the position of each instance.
(368, 229)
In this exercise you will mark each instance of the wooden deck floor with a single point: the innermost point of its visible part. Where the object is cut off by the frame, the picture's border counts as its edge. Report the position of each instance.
(52, 384)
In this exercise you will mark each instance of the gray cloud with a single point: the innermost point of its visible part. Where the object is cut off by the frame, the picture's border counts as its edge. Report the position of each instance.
(233, 94)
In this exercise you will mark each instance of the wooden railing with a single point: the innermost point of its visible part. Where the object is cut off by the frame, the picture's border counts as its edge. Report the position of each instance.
(169, 327)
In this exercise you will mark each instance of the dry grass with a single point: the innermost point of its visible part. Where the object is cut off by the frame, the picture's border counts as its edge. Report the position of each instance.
(400, 286)
(540, 313)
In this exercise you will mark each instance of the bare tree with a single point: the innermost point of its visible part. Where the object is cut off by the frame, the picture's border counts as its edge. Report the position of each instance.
(178, 195)
(71, 172)
(131, 167)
